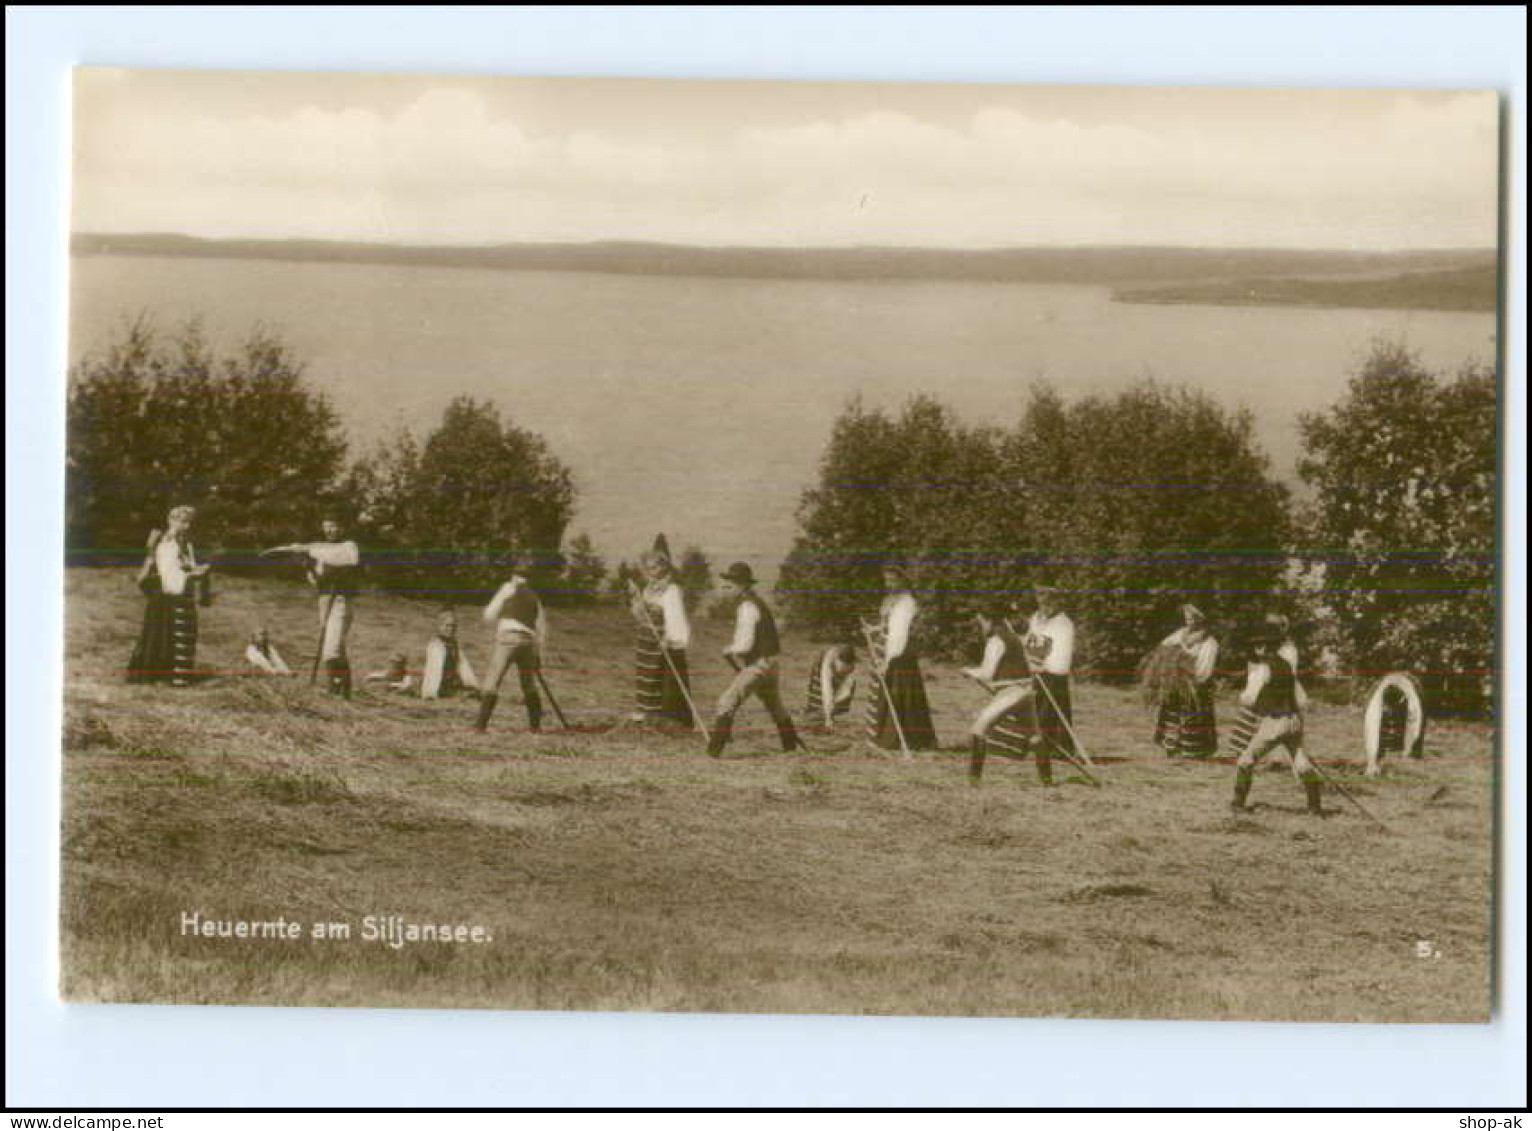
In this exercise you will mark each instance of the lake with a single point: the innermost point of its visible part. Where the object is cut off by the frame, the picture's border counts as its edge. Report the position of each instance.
(701, 406)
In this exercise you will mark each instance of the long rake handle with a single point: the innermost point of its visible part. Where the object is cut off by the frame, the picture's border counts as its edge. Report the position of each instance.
(554, 703)
(671, 664)
(1346, 793)
(1070, 756)
(324, 630)
(888, 697)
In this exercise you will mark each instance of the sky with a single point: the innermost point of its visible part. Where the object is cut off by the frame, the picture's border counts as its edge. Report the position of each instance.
(476, 160)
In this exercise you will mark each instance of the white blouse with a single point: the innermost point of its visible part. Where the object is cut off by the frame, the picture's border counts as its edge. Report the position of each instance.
(899, 611)
(175, 561)
(671, 604)
(1055, 637)
(1204, 652)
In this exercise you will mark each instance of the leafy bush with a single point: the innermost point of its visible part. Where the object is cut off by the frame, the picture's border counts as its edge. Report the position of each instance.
(1130, 504)
(1402, 529)
(694, 574)
(584, 573)
(157, 421)
(441, 518)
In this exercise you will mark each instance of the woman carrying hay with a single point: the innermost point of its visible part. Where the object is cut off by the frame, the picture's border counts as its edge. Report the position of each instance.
(1178, 678)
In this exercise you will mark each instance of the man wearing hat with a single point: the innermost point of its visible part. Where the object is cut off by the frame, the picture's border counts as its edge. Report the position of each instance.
(521, 630)
(753, 656)
(1050, 649)
(1272, 693)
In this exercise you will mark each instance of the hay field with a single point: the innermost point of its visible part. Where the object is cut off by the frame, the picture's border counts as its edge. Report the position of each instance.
(618, 869)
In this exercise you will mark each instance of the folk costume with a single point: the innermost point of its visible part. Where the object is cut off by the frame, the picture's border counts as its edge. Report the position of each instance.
(1246, 722)
(662, 633)
(832, 686)
(171, 581)
(1050, 650)
(447, 671)
(1006, 722)
(894, 652)
(1273, 693)
(335, 572)
(1184, 666)
(753, 653)
(521, 631)
(1394, 721)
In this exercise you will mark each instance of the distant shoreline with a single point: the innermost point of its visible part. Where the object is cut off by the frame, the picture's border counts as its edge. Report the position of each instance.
(1138, 274)
(1462, 290)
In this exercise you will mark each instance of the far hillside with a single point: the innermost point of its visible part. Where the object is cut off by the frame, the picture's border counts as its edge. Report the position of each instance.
(1100, 266)
(1474, 289)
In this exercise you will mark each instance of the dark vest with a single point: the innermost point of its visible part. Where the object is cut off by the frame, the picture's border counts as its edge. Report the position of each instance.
(522, 605)
(1280, 695)
(766, 641)
(1013, 664)
(343, 581)
(450, 684)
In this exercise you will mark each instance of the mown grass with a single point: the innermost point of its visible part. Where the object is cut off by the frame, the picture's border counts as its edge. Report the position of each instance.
(617, 869)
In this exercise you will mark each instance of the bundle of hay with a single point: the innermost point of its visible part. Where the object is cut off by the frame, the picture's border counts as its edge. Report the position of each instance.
(1163, 678)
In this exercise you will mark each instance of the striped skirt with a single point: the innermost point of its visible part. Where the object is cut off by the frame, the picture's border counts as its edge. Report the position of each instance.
(814, 708)
(1245, 726)
(1187, 723)
(183, 635)
(658, 695)
(166, 651)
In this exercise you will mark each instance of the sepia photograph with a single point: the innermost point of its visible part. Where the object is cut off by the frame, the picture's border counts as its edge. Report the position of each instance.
(726, 546)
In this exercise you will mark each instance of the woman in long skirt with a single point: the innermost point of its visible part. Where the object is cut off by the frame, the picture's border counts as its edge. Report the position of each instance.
(171, 580)
(1187, 724)
(662, 635)
(899, 666)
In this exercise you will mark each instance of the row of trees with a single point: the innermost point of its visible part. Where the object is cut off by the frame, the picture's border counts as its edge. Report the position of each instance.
(1138, 502)
(157, 419)
(1131, 503)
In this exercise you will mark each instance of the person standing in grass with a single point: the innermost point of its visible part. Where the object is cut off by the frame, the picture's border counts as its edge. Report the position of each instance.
(521, 631)
(1050, 650)
(832, 686)
(335, 566)
(662, 681)
(171, 580)
(1186, 661)
(899, 669)
(753, 656)
(1003, 672)
(1272, 692)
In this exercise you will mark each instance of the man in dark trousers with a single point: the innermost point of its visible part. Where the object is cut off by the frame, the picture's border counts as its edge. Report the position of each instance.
(753, 655)
(1273, 693)
(1003, 672)
(335, 566)
(521, 630)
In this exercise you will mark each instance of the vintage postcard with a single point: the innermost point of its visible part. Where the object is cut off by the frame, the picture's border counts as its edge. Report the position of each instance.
(782, 547)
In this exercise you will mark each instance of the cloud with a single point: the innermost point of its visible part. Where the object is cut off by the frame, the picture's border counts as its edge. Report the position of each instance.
(449, 167)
